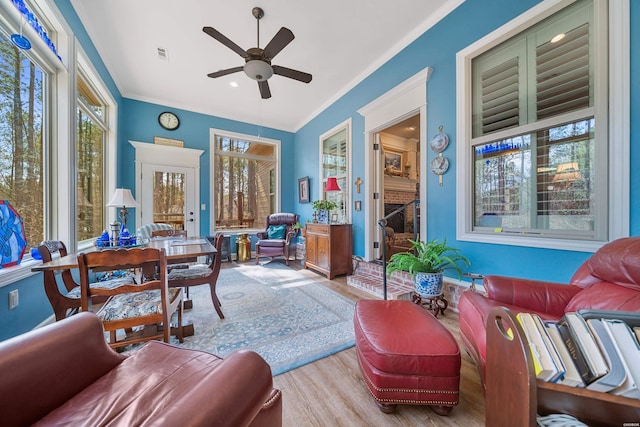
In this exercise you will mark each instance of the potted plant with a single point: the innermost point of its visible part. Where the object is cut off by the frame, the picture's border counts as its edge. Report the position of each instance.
(297, 226)
(426, 263)
(323, 207)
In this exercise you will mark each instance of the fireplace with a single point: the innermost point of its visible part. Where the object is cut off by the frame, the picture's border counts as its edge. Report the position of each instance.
(396, 222)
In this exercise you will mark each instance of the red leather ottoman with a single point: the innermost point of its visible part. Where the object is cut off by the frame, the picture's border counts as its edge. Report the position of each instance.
(406, 356)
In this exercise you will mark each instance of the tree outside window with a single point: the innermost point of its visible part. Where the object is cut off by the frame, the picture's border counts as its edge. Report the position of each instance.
(21, 137)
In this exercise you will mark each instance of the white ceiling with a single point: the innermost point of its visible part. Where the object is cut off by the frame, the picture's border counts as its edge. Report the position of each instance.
(338, 42)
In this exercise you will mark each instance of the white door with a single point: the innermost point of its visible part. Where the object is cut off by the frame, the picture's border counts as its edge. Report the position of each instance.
(168, 196)
(168, 185)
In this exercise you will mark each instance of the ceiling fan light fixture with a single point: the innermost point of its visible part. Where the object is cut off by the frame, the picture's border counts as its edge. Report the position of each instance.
(258, 70)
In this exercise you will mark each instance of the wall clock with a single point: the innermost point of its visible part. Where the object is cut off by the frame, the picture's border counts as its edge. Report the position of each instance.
(169, 120)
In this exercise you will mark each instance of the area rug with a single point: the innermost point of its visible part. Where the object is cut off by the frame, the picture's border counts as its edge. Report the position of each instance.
(278, 312)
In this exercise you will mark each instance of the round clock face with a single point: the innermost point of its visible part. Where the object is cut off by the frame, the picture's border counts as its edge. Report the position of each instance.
(168, 120)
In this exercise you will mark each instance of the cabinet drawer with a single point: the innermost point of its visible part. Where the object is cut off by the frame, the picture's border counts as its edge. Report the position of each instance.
(322, 229)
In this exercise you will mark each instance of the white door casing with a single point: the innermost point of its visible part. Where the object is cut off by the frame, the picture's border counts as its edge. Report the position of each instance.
(151, 158)
(403, 101)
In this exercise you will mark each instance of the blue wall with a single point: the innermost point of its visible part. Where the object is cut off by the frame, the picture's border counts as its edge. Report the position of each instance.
(141, 124)
(437, 49)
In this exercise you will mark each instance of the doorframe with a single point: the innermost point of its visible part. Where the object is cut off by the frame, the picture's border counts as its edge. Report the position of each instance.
(400, 102)
(168, 156)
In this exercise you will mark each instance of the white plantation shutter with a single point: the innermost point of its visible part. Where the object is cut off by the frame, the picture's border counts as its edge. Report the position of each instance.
(538, 174)
(500, 97)
(562, 74)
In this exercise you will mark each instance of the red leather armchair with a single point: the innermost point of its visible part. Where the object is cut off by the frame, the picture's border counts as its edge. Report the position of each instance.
(609, 280)
(273, 247)
(66, 374)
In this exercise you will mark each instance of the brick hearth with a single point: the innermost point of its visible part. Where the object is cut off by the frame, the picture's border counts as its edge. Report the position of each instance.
(367, 276)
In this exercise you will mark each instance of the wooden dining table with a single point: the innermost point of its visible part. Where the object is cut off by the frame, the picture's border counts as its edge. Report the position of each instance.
(177, 250)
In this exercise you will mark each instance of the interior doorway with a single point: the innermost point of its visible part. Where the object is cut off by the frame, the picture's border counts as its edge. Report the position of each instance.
(398, 174)
(168, 186)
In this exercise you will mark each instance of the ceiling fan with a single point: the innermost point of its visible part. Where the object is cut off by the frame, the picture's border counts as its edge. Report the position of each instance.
(258, 61)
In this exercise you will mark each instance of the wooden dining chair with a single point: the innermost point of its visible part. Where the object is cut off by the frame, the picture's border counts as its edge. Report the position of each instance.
(201, 274)
(65, 300)
(149, 303)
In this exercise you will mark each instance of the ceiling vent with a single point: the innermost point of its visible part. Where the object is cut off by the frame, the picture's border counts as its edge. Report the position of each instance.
(163, 53)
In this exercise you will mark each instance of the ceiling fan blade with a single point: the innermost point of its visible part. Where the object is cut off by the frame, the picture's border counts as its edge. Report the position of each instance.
(225, 72)
(264, 89)
(277, 43)
(292, 74)
(225, 41)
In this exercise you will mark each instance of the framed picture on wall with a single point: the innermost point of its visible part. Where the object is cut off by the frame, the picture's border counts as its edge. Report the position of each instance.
(303, 190)
(393, 161)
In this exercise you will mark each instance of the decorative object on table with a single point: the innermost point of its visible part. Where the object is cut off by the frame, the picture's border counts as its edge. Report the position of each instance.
(427, 262)
(303, 190)
(440, 141)
(322, 208)
(124, 199)
(334, 218)
(439, 165)
(13, 240)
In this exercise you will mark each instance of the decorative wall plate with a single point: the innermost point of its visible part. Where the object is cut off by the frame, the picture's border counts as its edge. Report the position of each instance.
(439, 142)
(13, 241)
(439, 165)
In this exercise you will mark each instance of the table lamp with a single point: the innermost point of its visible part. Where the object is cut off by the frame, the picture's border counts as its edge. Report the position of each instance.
(124, 199)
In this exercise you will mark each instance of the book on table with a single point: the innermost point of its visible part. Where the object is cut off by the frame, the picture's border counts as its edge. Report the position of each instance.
(629, 350)
(544, 365)
(582, 347)
(571, 375)
(617, 374)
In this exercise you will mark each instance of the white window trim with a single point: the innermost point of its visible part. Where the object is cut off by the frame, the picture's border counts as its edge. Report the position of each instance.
(346, 191)
(110, 150)
(212, 161)
(618, 122)
(61, 130)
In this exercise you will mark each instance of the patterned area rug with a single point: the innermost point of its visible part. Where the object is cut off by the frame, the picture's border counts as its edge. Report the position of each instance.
(278, 312)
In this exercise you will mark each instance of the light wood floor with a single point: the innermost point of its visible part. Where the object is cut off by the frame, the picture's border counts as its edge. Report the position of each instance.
(330, 392)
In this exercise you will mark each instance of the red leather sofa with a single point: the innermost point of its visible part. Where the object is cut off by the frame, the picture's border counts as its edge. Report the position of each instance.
(66, 374)
(608, 280)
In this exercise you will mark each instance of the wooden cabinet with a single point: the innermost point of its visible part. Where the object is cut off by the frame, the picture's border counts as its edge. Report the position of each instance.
(514, 395)
(329, 249)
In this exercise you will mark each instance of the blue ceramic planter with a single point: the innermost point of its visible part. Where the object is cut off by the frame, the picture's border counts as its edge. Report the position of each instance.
(428, 285)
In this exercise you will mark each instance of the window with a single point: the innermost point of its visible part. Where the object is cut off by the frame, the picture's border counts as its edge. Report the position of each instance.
(91, 128)
(538, 140)
(22, 136)
(245, 185)
(335, 147)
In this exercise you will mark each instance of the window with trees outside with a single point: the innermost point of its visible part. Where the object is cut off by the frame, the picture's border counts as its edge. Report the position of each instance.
(91, 128)
(245, 185)
(22, 124)
(539, 130)
(335, 148)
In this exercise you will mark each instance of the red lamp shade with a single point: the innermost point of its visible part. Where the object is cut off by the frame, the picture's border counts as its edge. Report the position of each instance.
(332, 185)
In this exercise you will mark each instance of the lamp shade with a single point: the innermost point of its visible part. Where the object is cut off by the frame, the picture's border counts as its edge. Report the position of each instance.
(332, 185)
(123, 197)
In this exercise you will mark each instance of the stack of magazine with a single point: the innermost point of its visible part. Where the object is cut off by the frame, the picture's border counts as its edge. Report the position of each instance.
(595, 349)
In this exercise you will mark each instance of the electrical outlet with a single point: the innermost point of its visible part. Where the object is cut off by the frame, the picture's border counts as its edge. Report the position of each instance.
(13, 299)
